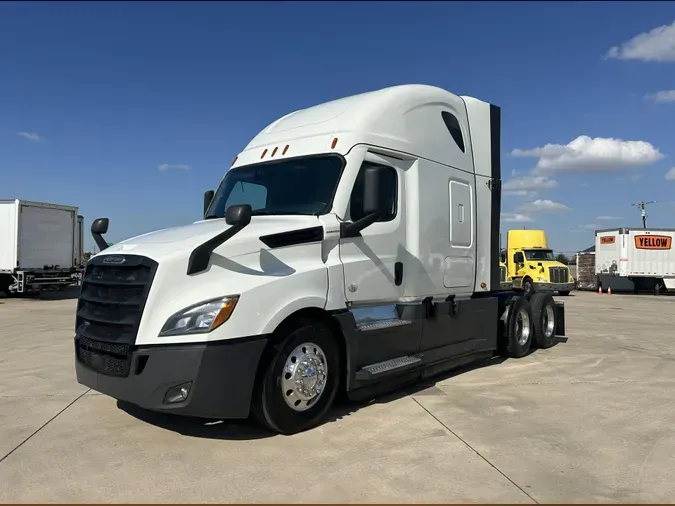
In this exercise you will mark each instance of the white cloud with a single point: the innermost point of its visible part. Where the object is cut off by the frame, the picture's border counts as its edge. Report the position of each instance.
(543, 206)
(608, 218)
(526, 186)
(657, 45)
(520, 193)
(670, 175)
(516, 218)
(30, 136)
(586, 154)
(661, 97)
(167, 166)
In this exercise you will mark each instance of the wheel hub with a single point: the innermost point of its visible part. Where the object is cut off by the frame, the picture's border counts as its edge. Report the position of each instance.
(304, 376)
(549, 321)
(522, 326)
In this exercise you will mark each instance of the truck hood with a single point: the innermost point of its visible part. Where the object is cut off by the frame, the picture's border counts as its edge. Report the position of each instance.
(180, 241)
(546, 264)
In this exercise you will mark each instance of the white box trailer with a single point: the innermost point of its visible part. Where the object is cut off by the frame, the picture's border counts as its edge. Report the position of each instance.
(635, 259)
(40, 246)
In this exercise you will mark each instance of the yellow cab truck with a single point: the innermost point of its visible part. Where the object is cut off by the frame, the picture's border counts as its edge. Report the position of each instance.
(532, 265)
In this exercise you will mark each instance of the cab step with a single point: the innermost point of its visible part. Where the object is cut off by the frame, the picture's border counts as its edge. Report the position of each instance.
(395, 364)
(381, 324)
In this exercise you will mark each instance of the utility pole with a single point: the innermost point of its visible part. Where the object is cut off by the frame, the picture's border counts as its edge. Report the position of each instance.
(642, 207)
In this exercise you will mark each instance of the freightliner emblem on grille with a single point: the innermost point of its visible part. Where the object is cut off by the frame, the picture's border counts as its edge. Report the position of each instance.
(114, 259)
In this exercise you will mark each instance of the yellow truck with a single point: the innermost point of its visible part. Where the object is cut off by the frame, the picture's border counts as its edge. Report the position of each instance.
(532, 265)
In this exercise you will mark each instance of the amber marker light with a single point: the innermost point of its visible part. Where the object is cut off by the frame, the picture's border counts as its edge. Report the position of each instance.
(225, 312)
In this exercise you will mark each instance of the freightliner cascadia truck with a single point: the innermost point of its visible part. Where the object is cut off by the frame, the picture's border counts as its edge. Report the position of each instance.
(352, 247)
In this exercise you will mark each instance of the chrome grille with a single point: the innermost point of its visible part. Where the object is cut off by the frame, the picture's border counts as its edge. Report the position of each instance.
(558, 274)
(109, 311)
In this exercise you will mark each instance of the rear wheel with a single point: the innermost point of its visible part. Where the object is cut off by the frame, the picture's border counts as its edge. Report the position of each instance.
(300, 379)
(517, 339)
(543, 320)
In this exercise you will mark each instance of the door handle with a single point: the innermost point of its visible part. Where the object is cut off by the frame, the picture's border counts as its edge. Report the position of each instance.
(398, 273)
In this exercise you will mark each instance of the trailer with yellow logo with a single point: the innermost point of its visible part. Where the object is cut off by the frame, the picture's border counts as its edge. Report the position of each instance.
(635, 259)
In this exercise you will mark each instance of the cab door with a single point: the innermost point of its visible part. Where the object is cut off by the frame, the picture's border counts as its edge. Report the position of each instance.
(373, 261)
(373, 266)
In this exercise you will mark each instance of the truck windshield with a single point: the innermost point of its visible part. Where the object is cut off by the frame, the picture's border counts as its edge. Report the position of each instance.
(539, 254)
(303, 185)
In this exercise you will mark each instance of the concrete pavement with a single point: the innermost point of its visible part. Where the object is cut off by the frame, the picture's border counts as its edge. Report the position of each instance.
(587, 420)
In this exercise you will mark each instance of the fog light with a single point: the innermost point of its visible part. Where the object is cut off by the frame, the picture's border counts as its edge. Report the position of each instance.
(178, 393)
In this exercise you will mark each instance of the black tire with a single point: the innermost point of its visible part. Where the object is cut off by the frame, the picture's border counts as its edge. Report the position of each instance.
(564, 293)
(528, 286)
(510, 345)
(269, 406)
(543, 313)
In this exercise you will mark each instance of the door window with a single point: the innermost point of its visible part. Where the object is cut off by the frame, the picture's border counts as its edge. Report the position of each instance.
(389, 189)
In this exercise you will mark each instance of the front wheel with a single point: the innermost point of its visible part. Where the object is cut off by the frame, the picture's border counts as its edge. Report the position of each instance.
(527, 285)
(563, 293)
(300, 379)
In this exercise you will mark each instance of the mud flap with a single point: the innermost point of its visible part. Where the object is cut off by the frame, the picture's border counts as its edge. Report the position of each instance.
(560, 319)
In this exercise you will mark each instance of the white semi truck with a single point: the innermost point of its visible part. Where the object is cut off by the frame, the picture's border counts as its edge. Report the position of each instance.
(352, 246)
(41, 246)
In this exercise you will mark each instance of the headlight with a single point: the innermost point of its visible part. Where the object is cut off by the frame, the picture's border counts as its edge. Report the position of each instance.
(542, 280)
(200, 318)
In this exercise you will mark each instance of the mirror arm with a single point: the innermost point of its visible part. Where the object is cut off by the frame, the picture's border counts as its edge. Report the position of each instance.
(200, 256)
(354, 229)
(100, 241)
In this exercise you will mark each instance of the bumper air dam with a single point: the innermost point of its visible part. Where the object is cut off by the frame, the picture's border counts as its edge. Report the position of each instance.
(213, 380)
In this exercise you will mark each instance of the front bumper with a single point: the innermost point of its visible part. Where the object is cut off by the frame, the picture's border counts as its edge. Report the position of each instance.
(554, 287)
(221, 377)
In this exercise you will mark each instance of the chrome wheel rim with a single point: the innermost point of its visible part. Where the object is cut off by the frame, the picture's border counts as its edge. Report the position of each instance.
(522, 326)
(304, 376)
(549, 321)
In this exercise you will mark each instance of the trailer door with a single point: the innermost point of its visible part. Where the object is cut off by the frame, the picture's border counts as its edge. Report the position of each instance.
(607, 251)
(46, 236)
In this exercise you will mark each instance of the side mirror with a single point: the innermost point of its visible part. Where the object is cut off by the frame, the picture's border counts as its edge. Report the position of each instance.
(100, 226)
(208, 197)
(373, 198)
(238, 215)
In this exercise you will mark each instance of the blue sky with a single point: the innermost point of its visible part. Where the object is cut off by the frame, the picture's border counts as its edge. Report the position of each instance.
(96, 98)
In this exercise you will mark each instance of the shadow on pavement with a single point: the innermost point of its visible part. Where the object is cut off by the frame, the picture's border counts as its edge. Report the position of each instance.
(248, 430)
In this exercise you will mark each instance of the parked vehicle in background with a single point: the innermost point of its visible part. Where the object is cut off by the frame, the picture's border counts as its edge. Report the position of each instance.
(41, 246)
(635, 259)
(532, 265)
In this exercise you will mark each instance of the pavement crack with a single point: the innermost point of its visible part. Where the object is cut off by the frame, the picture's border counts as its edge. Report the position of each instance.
(476, 451)
(44, 425)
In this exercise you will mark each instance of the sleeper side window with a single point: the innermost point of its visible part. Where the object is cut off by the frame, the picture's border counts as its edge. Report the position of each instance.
(452, 124)
(389, 190)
